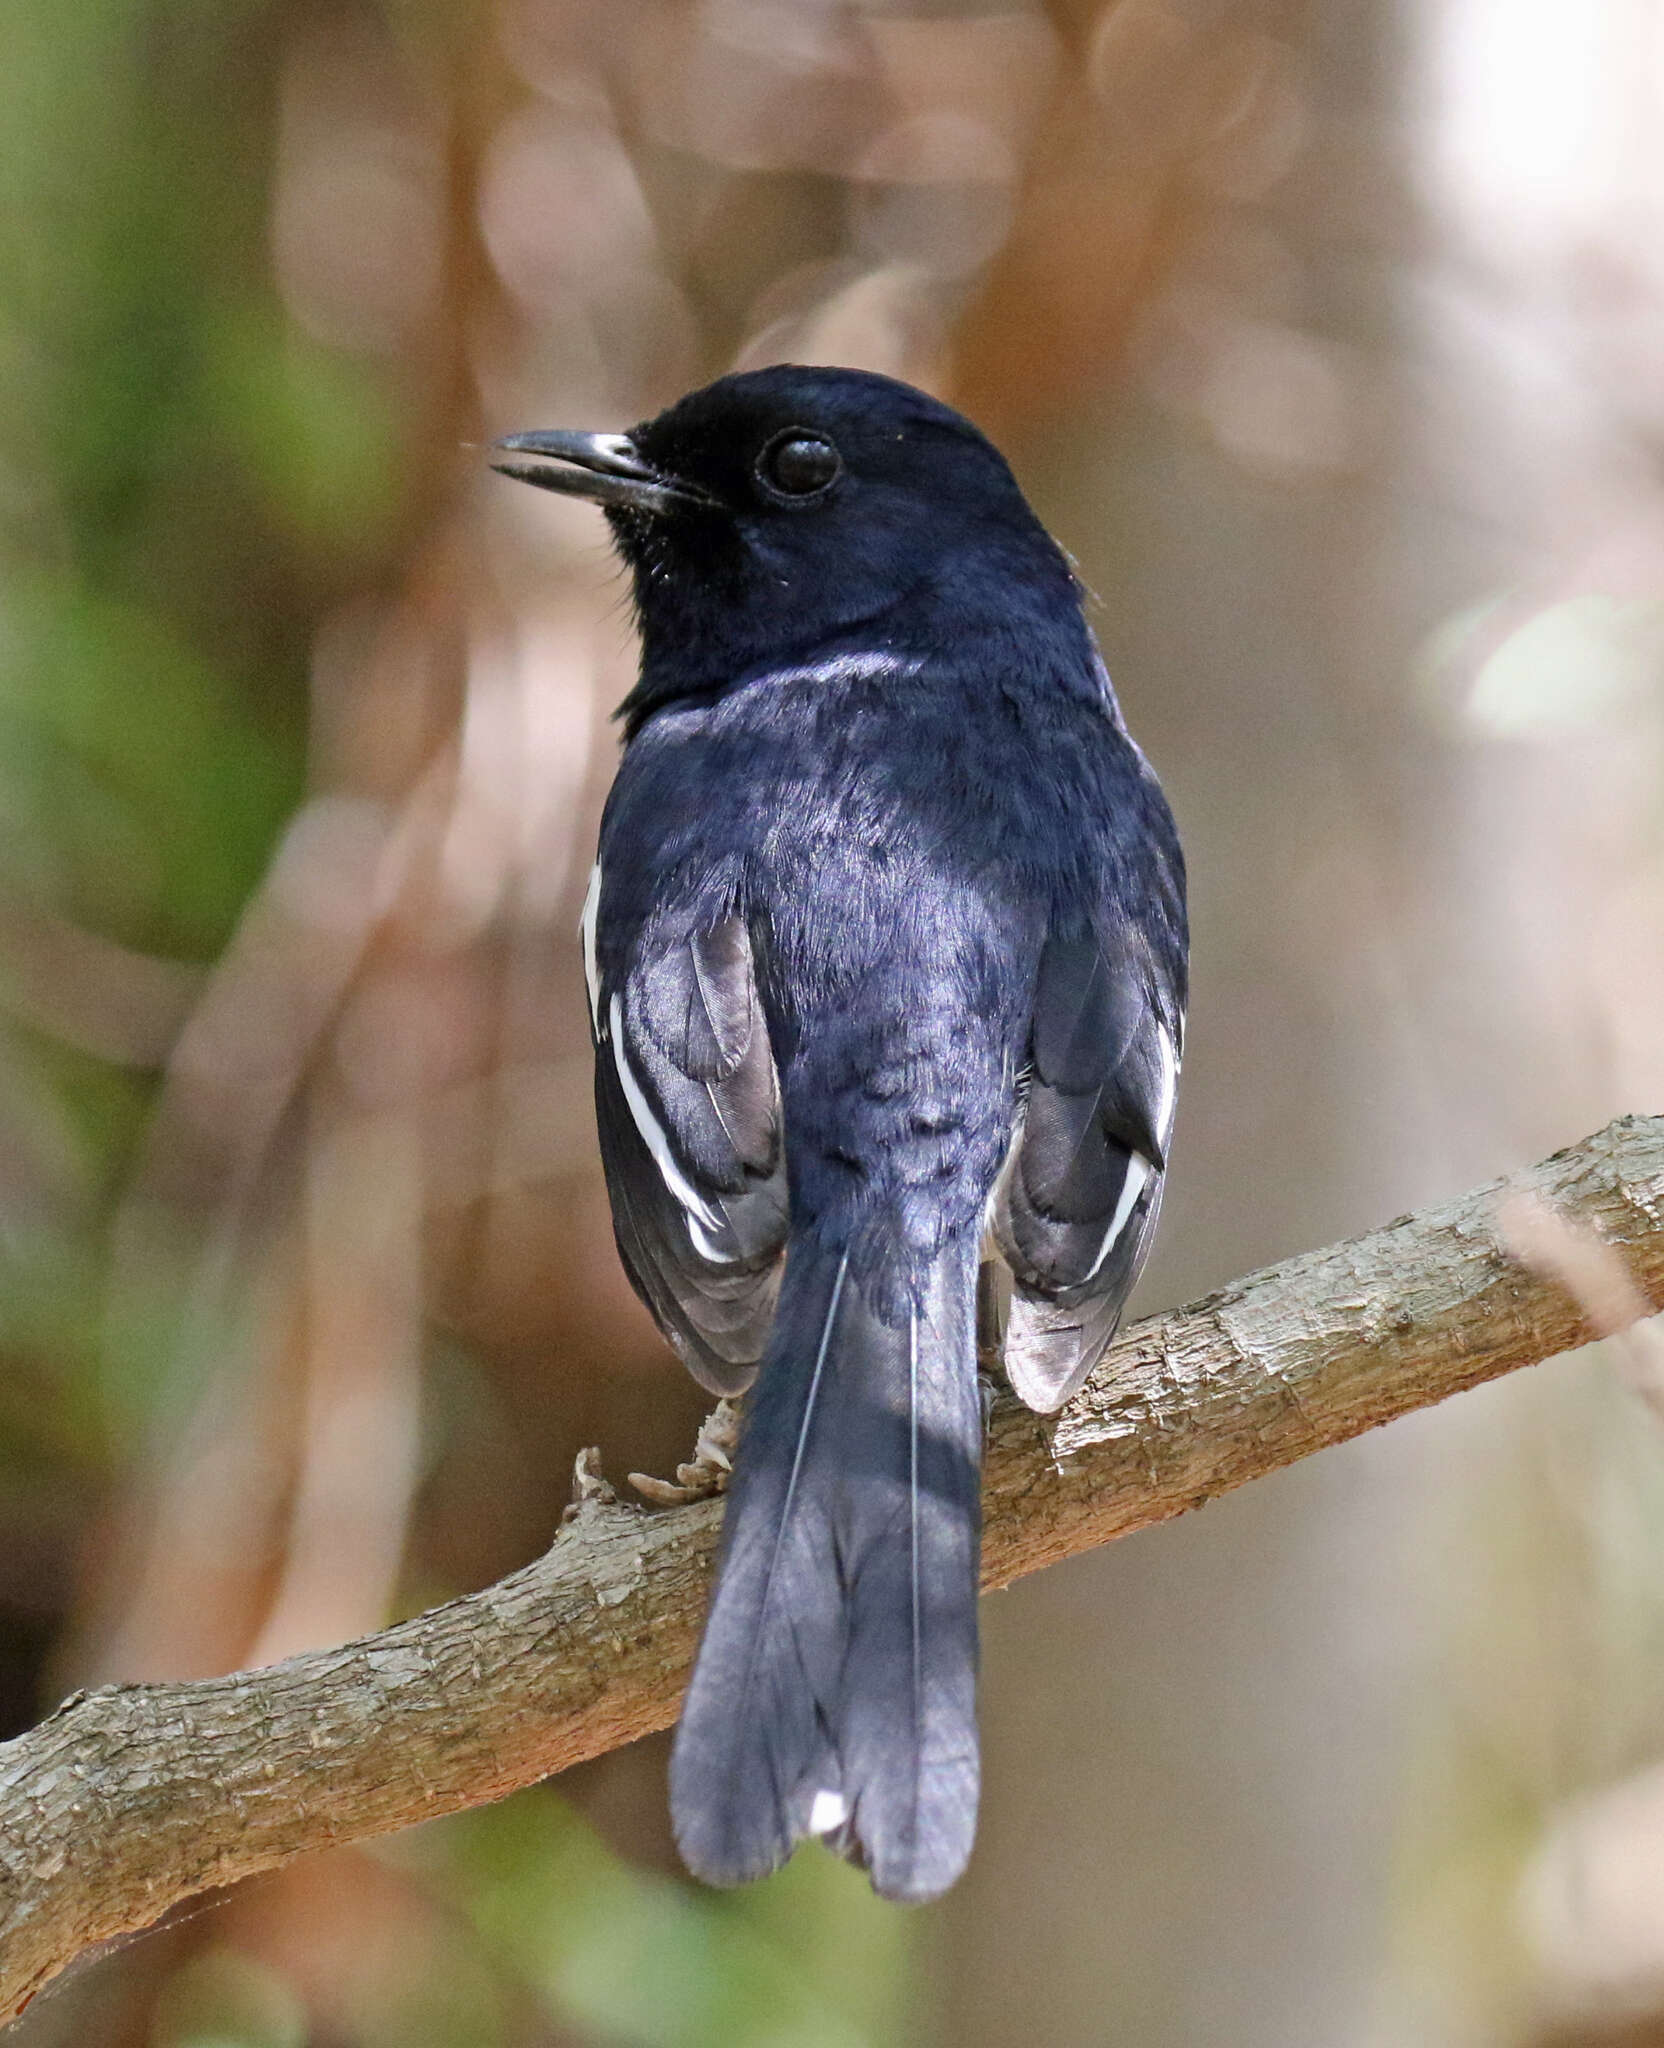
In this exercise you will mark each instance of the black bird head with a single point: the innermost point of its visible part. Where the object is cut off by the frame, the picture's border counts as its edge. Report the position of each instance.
(787, 511)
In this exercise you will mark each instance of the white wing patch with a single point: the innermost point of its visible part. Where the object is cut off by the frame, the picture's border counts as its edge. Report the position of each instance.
(1169, 1081)
(586, 927)
(703, 1220)
(1139, 1170)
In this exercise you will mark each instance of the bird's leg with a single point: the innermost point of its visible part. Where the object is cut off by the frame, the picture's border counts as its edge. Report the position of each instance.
(988, 1390)
(707, 1472)
(993, 1302)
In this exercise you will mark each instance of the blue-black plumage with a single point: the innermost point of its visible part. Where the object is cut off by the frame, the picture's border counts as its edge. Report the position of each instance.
(886, 952)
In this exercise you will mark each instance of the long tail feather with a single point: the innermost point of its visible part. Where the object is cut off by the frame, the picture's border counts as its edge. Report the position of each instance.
(835, 1687)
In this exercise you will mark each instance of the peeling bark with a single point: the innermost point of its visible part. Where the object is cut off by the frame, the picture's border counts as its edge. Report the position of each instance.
(130, 1799)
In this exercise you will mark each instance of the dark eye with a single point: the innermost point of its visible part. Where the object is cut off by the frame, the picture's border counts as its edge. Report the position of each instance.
(798, 464)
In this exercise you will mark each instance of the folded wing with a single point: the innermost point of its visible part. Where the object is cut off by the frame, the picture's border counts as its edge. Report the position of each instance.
(688, 1108)
(1076, 1207)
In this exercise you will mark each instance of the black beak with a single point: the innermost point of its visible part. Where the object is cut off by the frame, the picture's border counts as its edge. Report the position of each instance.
(602, 467)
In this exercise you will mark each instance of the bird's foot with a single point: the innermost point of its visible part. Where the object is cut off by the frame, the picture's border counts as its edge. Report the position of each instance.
(707, 1472)
(989, 1387)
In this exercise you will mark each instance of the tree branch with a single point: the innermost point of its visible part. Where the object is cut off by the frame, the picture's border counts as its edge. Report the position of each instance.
(126, 1801)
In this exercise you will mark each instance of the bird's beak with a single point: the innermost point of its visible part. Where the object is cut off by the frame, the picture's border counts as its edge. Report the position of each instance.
(602, 467)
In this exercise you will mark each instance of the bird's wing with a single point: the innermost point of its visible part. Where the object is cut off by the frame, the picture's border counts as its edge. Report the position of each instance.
(1076, 1206)
(688, 1107)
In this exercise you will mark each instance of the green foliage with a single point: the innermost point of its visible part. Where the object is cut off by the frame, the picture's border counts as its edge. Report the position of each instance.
(151, 717)
(187, 484)
(312, 430)
(223, 1999)
(808, 1959)
(135, 789)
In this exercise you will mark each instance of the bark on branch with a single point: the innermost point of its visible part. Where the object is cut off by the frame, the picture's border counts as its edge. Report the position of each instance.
(124, 1802)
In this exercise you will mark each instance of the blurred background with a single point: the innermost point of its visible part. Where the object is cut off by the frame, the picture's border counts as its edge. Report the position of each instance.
(1330, 338)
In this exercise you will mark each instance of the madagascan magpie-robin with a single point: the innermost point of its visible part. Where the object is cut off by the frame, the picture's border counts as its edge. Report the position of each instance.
(886, 955)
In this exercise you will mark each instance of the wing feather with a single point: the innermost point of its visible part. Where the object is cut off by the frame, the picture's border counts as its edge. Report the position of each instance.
(688, 1110)
(1076, 1209)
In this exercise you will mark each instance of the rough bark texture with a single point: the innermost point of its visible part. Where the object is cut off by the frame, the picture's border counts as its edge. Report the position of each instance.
(126, 1801)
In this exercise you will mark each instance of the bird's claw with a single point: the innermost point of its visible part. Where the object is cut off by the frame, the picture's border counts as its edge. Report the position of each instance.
(707, 1473)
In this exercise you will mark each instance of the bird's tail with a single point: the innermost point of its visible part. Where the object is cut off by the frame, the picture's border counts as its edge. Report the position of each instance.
(835, 1688)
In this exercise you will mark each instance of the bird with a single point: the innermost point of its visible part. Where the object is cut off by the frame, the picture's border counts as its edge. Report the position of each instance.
(886, 957)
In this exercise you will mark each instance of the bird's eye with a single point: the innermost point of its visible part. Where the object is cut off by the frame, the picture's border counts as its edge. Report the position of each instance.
(798, 464)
